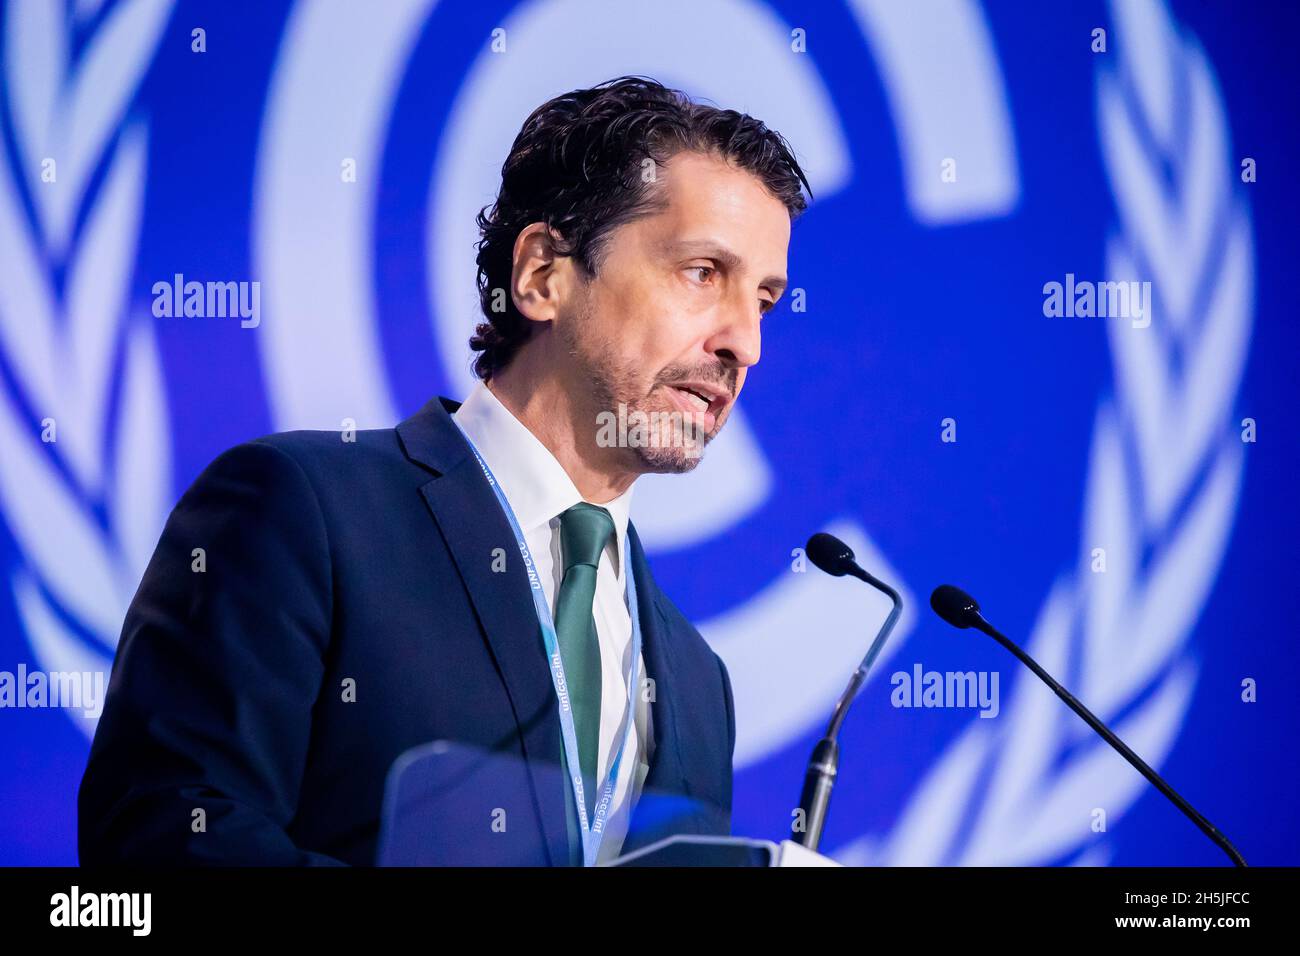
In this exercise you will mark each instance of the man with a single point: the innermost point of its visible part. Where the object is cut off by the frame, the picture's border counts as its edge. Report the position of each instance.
(317, 607)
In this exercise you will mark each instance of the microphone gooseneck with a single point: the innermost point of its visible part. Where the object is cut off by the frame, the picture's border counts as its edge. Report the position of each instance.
(961, 610)
(836, 558)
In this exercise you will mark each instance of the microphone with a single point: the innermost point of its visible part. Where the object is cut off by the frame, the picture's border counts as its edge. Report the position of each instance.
(955, 606)
(830, 554)
(962, 611)
(836, 558)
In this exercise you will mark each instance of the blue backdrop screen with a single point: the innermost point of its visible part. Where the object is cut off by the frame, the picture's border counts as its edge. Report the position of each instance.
(1118, 490)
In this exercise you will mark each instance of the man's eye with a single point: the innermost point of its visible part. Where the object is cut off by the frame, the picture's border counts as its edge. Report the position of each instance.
(706, 270)
(764, 306)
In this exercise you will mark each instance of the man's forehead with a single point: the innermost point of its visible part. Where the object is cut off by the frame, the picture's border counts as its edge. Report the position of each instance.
(705, 206)
(732, 217)
(698, 184)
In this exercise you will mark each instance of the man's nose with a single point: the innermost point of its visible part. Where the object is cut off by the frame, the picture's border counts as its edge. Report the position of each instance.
(736, 341)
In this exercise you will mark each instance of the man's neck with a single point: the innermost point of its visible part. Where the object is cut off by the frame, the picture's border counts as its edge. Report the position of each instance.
(567, 430)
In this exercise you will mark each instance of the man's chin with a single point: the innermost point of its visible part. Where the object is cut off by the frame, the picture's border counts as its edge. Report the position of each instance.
(669, 461)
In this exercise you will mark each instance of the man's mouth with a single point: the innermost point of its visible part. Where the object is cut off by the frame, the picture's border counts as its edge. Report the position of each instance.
(701, 401)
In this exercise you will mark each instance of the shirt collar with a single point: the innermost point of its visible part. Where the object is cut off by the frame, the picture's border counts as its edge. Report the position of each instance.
(533, 481)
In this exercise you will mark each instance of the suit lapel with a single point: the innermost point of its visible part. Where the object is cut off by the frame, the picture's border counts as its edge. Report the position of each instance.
(472, 524)
(666, 775)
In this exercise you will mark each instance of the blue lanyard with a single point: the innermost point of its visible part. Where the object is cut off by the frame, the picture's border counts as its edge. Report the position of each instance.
(593, 832)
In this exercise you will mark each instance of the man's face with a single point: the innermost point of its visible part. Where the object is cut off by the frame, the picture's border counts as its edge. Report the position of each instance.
(675, 308)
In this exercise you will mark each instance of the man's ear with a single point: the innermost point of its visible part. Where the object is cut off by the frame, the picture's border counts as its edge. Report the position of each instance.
(541, 277)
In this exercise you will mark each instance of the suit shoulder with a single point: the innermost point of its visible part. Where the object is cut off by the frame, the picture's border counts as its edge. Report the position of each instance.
(331, 459)
(312, 447)
(285, 465)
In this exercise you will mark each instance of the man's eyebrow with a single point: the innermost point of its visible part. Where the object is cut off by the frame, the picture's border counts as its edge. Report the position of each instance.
(713, 250)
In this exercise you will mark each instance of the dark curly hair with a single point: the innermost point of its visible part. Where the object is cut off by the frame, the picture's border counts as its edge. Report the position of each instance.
(576, 166)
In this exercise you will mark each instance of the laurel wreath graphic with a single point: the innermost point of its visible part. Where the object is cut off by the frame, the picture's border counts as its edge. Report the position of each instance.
(1165, 470)
(85, 508)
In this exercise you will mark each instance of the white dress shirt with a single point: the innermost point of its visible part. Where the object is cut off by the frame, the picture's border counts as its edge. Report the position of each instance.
(539, 491)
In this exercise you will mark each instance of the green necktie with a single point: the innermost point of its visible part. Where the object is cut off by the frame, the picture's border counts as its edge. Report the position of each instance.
(584, 529)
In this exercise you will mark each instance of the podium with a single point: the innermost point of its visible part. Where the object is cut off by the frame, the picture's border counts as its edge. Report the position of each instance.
(686, 850)
(448, 804)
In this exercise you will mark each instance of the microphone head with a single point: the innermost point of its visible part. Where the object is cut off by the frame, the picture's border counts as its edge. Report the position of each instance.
(830, 554)
(955, 606)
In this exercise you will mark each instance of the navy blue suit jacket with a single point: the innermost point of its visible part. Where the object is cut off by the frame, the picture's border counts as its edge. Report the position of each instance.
(369, 561)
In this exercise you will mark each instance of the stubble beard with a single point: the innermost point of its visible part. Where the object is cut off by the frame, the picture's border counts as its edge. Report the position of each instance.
(679, 445)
